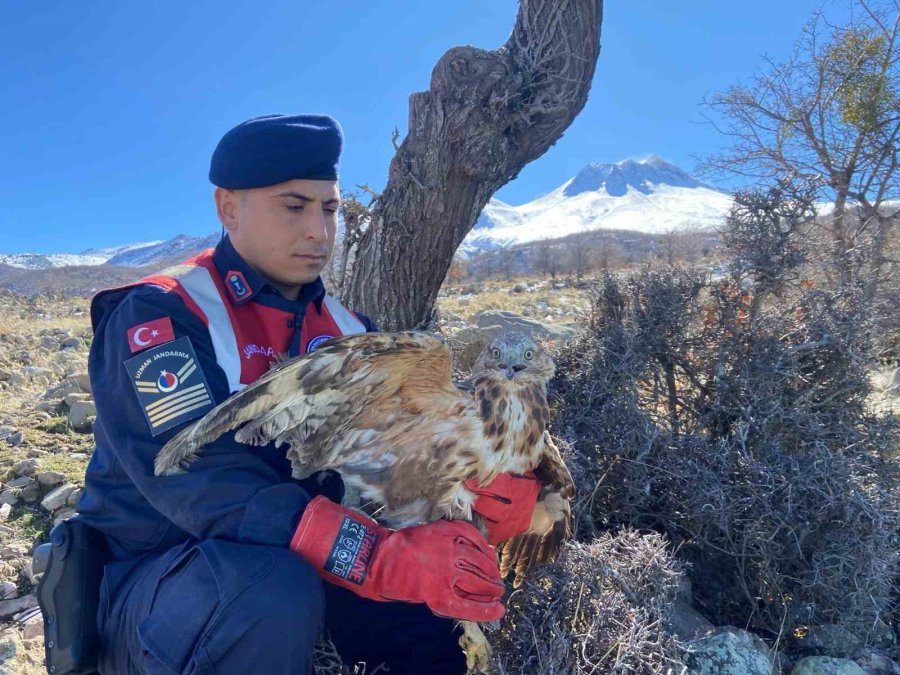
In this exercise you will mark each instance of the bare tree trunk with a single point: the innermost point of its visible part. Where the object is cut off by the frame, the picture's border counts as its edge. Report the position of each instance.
(485, 116)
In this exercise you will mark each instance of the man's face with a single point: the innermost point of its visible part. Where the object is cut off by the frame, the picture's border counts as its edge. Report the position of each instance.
(286, 231)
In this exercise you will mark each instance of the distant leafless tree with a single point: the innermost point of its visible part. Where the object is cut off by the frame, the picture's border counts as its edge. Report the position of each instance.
(580, 254)
(546, 259)
(831, 111)
(485, 116)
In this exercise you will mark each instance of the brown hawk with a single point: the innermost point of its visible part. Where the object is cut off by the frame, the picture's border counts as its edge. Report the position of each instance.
(381, 409)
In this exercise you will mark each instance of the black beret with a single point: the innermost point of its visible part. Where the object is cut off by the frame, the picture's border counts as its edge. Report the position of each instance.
(277, 148)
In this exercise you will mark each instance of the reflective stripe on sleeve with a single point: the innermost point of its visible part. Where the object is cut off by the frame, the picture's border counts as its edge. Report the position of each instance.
(344, 318)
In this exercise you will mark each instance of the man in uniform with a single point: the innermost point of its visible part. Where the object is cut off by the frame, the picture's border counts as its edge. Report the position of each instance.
(221, 569)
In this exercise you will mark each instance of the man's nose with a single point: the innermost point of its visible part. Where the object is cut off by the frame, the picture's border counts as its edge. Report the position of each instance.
(316, 228)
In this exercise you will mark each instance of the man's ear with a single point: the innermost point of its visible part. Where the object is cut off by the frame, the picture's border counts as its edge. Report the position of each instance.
(228, 204)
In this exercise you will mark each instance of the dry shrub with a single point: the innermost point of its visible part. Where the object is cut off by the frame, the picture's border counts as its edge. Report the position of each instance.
(732, 417)
(598, 609)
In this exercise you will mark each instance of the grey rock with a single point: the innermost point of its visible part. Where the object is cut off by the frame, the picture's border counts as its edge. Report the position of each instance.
(826, 665)
(16, 380)
(62, 515)
(9, 497)
(67, 386)
(874, 662)
(73, 498)
(6, 432)
(15, 605)
(48, 342)
(57, 497)
(10, 646)
(50, 478)
(686, 622)
(82, 380)
(25, 467)
(830, 640)
(47, 406)
(73, 343)
(81, 416)
(15, 439)
(33, 628)
(8, 590)
(20, 482)
(5, 510)
(30, 493)
(728, 651)
(73, 398)
(34, 371)
(512, 321)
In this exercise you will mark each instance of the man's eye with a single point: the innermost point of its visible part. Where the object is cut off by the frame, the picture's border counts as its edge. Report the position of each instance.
(330, 211)
(295, 207)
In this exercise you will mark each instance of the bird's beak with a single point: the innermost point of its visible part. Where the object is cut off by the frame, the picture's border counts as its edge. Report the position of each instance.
(507, 369)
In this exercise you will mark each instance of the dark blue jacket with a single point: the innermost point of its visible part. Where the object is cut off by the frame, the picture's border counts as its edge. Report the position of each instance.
(234, 492)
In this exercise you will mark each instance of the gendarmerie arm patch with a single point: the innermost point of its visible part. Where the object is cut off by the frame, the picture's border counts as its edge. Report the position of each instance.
(169, 384)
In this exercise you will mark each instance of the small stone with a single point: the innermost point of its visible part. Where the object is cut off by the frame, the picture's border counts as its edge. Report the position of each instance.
(50, 479)
(25, 467)
(37, 453)
(19, 482)
(15, 439)
(8, 590)
(826, 665)
(73, 398)
(57, 497)
(6, 432)
(64, 514)
(74, 497)
(81, 416)
(83, 381)
(46, 406)
(10, 646)
(34, 371)
(5, 510)
(48, 342)
(8, 608)
(72, 343)
(33, 628)
(9, 497)
(30, 493)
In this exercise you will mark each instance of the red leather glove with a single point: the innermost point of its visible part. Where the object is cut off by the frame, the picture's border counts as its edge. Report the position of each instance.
(506, 504)
(445, 564)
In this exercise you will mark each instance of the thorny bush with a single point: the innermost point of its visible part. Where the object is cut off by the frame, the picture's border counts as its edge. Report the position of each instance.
(731, 416)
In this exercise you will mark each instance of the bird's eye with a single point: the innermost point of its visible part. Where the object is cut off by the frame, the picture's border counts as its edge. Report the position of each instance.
(529, 354)
(495, 353)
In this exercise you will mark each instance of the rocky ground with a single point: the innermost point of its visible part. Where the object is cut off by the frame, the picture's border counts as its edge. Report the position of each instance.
(46, 416)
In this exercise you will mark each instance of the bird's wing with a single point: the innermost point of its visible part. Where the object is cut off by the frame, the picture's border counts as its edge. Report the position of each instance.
(318, 395)
(551, 525)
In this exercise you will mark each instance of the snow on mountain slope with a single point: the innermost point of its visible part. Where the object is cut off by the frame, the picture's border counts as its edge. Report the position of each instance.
(650, 196)
(129, 255)
(40, 261)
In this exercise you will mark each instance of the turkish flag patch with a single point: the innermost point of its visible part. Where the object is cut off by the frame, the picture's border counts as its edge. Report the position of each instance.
(150, 333)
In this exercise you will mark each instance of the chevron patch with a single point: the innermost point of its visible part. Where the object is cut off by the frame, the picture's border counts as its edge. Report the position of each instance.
(170, 386)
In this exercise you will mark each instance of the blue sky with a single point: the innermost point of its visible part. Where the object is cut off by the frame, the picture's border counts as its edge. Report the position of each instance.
(109, 111)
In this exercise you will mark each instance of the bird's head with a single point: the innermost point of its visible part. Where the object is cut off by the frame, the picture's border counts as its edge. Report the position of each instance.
(515, 356)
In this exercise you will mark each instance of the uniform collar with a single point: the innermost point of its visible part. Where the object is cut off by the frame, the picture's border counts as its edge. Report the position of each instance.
(243, 283)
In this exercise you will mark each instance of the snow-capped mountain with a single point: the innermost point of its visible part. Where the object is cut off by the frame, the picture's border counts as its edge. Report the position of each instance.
(129, 255)
(650, 196)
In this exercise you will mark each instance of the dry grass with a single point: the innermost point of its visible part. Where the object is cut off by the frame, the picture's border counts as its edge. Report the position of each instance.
(544, 303)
